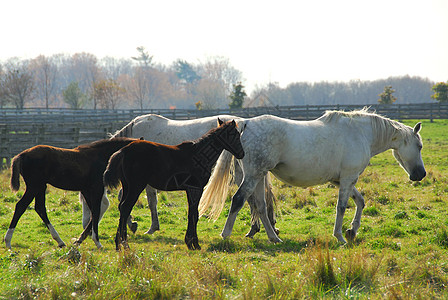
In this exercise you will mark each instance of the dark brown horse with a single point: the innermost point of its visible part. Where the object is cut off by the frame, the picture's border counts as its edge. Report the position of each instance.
(186, 166)
(80, 169)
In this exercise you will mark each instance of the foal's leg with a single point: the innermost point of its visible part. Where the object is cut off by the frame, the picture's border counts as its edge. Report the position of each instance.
(345, 190)
(191, 237)
(130, 197)
(350, 234)
(21, 206)
(151, 194)
(42, 212)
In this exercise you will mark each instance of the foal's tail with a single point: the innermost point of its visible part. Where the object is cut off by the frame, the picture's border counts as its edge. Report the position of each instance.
(16, 164)
(111, 176)
(217, 187)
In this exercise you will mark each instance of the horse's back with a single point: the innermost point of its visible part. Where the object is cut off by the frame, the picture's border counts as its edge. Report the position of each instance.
(302, 153)
(172, 132)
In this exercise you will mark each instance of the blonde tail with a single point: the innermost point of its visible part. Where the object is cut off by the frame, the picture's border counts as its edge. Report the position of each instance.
(217, 188)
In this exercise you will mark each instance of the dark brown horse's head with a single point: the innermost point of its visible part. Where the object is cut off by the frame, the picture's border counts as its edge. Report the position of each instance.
(229, 135)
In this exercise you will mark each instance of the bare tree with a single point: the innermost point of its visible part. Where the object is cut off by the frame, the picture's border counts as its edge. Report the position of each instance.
(220, 70)
(108, 93)
(18, 84)
(138, 86)
(45, 72)
(211, 94)
(87, 73)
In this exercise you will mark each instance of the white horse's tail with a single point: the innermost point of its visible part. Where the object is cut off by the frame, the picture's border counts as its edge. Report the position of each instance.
(217, 188)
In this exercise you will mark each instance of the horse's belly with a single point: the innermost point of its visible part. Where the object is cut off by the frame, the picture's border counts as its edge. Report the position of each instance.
(303, 177)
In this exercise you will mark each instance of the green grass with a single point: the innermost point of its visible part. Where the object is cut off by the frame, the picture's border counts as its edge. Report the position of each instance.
(401, 250)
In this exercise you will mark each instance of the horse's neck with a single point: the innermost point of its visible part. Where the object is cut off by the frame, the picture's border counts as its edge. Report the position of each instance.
(382, 139)
(208, 151)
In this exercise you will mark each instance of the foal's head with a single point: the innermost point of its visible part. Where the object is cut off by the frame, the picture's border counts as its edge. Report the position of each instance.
(229, 136)
(409, 156)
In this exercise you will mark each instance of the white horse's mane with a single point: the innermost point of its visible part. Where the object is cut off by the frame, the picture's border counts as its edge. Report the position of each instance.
(385, 128)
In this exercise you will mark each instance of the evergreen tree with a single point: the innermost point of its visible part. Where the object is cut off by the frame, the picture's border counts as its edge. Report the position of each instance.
(386, 96)
(237, 96)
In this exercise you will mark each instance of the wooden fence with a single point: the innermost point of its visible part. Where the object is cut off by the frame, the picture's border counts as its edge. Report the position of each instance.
(21, 129)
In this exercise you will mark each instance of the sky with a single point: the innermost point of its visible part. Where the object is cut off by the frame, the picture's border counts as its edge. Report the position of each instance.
(268, 41)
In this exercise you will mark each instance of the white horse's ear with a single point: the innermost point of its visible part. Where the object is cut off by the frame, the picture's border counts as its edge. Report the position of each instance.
(220, 122)
(417, 127)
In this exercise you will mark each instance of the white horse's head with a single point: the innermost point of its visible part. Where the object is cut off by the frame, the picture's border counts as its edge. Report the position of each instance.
(407, 152)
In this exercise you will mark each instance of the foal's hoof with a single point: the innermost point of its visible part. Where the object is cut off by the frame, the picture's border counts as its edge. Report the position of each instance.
(350, 235)
(133, 227)
(192, 243)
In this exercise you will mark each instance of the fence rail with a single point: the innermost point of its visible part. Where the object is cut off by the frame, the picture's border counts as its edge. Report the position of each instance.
(21, 129)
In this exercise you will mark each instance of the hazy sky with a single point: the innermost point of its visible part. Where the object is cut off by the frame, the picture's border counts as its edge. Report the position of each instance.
(269, 41)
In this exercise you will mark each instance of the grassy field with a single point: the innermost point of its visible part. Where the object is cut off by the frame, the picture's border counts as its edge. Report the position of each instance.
(401, 251)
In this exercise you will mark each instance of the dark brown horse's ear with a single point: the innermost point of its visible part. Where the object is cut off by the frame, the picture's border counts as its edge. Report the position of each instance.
(141, 138)
(220, 122)
(234, 123)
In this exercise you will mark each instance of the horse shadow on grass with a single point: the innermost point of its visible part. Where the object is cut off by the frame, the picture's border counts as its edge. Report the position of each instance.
(287, 246)
(148, 239)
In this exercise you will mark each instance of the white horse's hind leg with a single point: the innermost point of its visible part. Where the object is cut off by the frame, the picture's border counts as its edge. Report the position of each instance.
(151, 194)
(260, 206)
(350, 234)
(345, 189)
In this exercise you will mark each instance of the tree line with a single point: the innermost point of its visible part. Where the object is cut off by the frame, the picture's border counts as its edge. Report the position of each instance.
(82, 80)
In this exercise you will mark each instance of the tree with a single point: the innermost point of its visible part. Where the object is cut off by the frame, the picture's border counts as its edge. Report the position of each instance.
(237, 96)
(45, 72)
(143, 57)
(185, 71)
(108, 93)
(73, 96)
(18, 84)
(440, 92)
(87, 73)
(386, 96)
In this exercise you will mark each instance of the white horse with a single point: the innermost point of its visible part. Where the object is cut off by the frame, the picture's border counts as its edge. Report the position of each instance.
(159, 129)
(336, 148)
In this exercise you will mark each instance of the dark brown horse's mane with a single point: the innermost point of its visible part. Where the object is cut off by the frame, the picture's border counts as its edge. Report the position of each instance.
(211, 132)
(101, 143)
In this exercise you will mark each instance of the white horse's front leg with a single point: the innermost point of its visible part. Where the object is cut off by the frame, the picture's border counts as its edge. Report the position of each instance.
(244, 191)
(151, 194)
(345, 189)
(350, 234)
(87, 214)
(104, 205)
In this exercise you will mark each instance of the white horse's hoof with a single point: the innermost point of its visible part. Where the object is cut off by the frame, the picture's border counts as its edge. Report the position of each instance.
(340, 238)
(276, 240)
